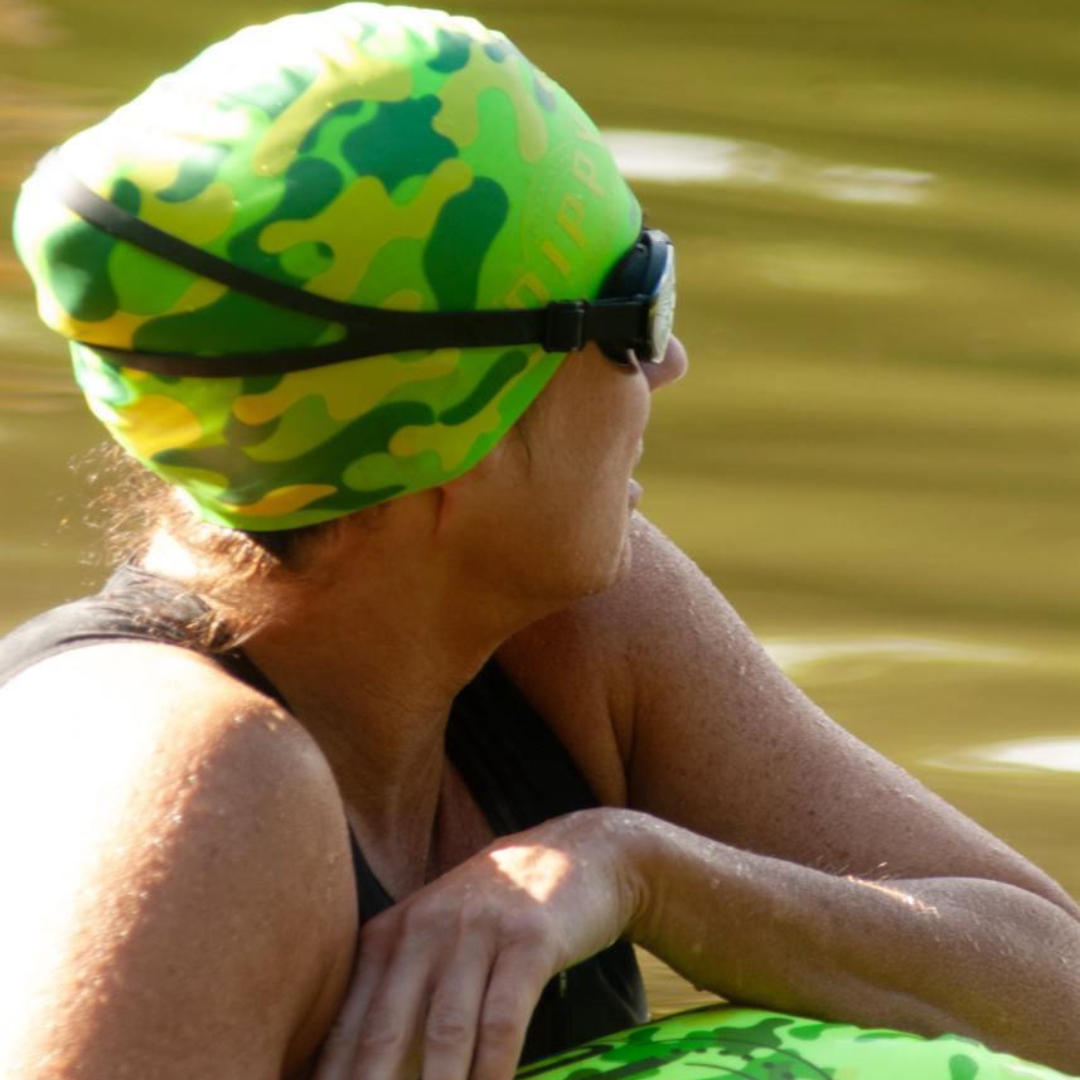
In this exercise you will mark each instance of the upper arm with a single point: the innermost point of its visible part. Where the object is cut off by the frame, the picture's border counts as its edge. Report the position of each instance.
(714, 737)
(177, 891)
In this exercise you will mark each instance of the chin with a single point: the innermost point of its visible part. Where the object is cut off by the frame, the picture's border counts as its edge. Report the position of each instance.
(589, 557)
(615, 566)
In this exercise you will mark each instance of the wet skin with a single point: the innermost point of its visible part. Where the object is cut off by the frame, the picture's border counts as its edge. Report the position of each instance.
(742, 837)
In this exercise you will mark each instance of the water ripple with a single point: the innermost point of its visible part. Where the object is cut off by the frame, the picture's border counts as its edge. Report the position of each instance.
(856, 658)
(27, 23)
(1046, 754)
(674, 158)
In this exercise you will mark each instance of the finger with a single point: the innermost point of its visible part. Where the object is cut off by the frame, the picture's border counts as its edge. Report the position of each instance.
(517, 980)
(387, 1033)
(339, 1044)
(454, 1013)
(375, 955)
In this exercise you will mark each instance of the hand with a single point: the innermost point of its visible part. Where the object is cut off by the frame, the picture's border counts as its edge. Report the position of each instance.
(447, 979)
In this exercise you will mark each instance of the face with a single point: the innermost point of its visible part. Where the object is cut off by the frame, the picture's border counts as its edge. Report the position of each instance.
(561, 493)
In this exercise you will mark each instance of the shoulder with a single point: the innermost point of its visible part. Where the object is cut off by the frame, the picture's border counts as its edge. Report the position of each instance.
(114, 710)
(174, 831)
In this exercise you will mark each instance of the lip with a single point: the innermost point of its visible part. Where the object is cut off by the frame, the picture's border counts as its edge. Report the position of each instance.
(635, 490)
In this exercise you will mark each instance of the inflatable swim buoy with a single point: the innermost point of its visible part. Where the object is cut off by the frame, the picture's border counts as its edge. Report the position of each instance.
(732, 1043)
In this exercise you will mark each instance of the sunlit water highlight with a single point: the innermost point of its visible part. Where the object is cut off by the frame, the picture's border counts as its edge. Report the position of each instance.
(674, 158)
(1053, 755)
(857, 658)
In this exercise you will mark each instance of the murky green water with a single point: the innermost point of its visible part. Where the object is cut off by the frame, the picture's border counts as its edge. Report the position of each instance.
(877, 455)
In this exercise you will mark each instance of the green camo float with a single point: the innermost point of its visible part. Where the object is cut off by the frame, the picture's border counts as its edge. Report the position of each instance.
(753, 1044)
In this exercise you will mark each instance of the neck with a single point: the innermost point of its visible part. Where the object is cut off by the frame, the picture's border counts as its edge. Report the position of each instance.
(372, 671)
(370, 660)
(371, 665)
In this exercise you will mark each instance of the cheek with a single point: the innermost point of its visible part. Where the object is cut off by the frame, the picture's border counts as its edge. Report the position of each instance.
(625, 439)
(580, 444)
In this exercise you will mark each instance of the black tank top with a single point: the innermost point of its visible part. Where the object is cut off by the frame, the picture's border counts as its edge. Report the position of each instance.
(515, 768)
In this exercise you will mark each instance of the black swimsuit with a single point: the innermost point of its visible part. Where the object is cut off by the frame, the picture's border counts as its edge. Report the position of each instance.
(515, 768)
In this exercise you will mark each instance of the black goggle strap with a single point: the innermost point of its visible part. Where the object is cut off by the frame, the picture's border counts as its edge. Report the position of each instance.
(562, 326)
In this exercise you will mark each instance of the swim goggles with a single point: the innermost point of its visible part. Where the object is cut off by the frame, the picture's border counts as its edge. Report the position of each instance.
(630, 320)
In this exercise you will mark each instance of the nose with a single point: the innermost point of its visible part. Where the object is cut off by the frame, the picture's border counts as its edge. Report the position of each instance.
(671, 369)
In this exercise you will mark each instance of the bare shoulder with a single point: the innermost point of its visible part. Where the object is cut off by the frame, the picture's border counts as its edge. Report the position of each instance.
(183, 869)
(711, 734)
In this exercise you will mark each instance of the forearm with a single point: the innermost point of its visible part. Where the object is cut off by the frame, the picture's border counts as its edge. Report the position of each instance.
(971, 956)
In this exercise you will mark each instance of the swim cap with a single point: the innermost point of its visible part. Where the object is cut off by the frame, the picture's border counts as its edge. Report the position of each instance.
(386, 156)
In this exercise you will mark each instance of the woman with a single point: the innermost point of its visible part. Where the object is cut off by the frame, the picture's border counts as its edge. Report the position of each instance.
(398, 676)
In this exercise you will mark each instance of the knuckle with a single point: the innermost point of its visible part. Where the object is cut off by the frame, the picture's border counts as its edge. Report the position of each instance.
(420, 916)
(533, 935)
(473, 918)
(380, 1032)
(534, 931)
(501, 1028)
(448, 1029)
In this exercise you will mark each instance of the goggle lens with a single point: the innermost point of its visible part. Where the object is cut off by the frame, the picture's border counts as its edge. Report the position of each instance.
(646, 272)
(662, 312)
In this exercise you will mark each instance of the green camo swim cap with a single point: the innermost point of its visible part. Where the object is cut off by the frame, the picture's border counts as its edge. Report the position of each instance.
(385, 156)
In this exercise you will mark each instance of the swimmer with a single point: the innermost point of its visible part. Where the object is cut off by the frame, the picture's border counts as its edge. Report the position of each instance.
(398, 725)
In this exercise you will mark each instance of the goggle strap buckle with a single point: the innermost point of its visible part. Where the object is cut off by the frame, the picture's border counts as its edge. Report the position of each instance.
(564, 330)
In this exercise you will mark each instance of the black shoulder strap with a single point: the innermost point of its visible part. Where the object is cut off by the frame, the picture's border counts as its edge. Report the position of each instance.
(370, 894)
(518, 772)
(137, 606)
(128, 608)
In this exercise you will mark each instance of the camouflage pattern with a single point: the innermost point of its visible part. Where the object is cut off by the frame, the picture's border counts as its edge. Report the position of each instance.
(751, 1044)
(384, 156)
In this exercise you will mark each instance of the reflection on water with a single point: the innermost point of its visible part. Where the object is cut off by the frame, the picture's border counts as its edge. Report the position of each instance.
(877, 452)
(858, 659)
(1056, 755)
(28, 386)
(26, 23)
(667, 158)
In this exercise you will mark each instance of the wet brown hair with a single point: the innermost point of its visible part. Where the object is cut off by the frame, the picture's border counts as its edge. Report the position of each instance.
(240, 576)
